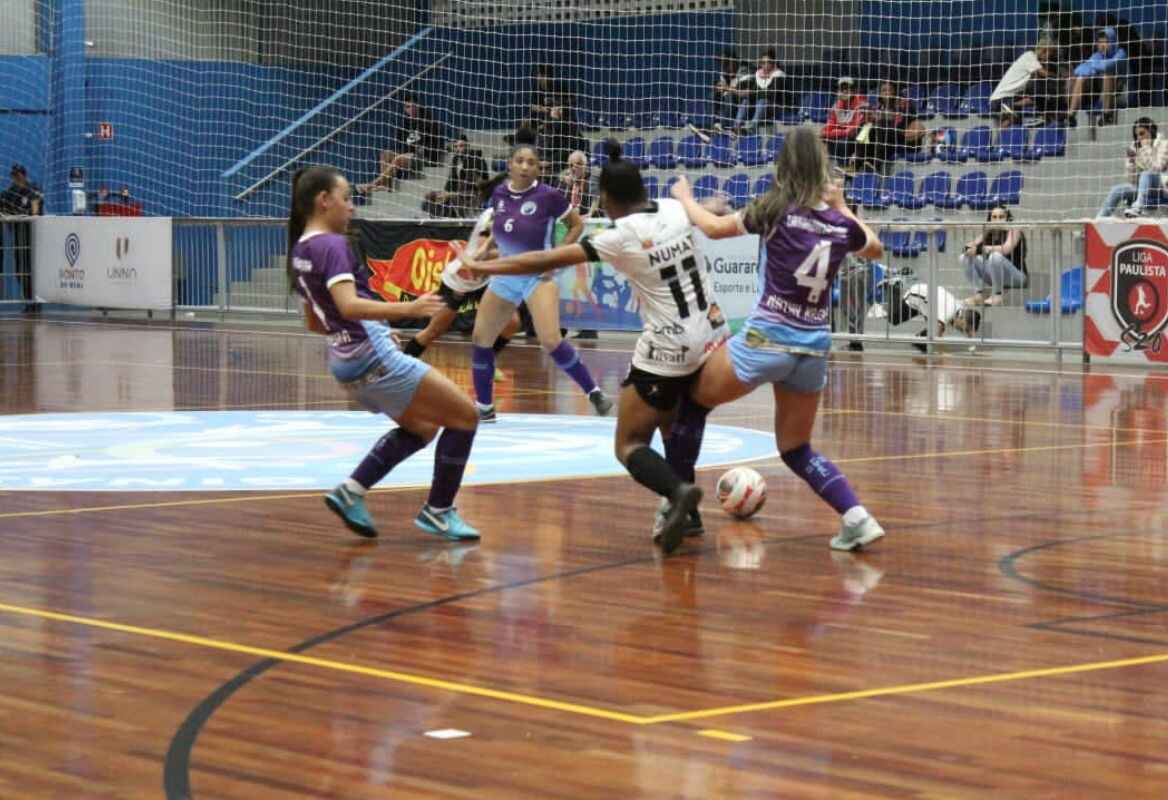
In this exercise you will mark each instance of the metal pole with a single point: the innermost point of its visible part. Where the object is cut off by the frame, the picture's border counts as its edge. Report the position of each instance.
(221, 267)
(1056, 294)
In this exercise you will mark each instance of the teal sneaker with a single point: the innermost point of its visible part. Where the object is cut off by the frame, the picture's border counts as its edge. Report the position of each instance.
(352, 511)
(854, 537)
(446, 524)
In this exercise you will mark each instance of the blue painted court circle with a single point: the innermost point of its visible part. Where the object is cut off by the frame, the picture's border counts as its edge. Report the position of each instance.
(186, 451)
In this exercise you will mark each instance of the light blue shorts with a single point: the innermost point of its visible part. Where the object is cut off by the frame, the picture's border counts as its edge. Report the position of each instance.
(758, 356)
(515, 288)
(384, 380)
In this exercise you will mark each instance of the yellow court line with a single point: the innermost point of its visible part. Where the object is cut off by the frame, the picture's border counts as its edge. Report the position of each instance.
(724, 736)
(909, 688)
(325, 663)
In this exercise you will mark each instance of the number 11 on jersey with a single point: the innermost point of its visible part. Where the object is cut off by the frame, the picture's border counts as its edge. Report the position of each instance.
(812, 273)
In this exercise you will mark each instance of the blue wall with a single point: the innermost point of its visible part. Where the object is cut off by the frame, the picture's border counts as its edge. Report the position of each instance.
(24, 115)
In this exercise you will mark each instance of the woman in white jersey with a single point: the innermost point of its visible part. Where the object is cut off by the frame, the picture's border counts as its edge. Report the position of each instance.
(806, 230)
(458, 289)
(652, 243)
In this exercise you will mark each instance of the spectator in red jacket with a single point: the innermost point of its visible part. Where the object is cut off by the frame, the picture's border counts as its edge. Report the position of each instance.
(844, 121)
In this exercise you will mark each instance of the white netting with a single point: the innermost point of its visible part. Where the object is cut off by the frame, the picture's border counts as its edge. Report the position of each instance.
(213, 103)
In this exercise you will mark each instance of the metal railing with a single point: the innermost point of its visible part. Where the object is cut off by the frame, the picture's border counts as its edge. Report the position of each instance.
(16, 261)
(238, 266)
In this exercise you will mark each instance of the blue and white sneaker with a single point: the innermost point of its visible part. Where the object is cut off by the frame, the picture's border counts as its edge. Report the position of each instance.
(486, 413)
(446, 524)
(351, 509)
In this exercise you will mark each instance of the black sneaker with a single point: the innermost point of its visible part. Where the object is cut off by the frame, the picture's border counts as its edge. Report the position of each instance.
(857, 347)
(684, 501)
(600, 401)
(487, 414)
(693, 523)
(924, 348)
(586, 334)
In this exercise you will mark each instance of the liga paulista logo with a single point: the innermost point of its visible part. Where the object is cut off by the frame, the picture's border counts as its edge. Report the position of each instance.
(1139, 292)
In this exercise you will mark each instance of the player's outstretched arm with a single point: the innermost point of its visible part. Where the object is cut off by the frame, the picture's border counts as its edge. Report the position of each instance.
(529, 263)
(351, 306)
(709, 223)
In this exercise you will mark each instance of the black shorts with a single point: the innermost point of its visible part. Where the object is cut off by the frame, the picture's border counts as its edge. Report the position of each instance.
(662, 392)
(455, 299)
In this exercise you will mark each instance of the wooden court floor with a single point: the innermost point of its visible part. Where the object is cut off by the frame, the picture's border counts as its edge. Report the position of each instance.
(1008, 638)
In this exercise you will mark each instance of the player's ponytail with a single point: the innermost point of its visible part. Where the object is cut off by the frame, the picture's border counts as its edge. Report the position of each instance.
(307, 183)
(621, 180)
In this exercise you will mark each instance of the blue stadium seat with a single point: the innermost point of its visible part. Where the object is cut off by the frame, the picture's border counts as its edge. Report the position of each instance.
(651, 186)
(978, 144)
(970, 190)
(750, 151)
(499, 165)
(763, 184)
(948, 101)
(661, 153)
(672, 119)
(816, 106)
(706, 186)
(633, 151)
(737, 188)
(953, 153)
(977, 99)
(1070, 292)
(1007, 188)
(774, 146)
(902, 193)
(865, 190)
(721, 151)
(698, 112)
(691, 151)
(900, 243)
(936, 187)
(1013, 143)
(599, 157)
(920, 102)
(672, 179)
(1049, 141)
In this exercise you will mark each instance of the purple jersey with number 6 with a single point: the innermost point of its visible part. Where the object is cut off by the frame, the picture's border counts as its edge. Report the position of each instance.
(798, 261)
(526, 220)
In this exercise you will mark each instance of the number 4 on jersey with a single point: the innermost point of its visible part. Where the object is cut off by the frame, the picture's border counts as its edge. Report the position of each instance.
(812, 273)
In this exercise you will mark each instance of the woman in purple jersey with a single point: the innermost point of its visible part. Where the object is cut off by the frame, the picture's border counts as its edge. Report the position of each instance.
(806, 231)
(525, 216)
(365, 359)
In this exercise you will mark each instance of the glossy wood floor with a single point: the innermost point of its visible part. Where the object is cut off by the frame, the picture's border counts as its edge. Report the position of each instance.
(1008, 638)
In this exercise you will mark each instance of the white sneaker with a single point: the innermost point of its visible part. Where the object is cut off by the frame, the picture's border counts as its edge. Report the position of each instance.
(853, 537)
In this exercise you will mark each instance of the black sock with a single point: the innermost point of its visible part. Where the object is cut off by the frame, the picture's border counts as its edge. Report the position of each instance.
(500, 343)
(414, 348)
(652, 471)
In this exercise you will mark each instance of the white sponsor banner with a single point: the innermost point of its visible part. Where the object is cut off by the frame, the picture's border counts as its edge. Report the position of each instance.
(733, 268)
(107, 262)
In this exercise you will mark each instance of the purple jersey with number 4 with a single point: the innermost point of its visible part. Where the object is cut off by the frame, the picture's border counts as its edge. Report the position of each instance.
(526, 221)
(798, 263)
(321, 260)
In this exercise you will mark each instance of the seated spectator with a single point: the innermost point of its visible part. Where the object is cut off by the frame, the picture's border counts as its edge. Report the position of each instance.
(459, 197)
(1030, 82)
(1147, 161)
(417, 144)
(116, 205)
(764, 90)
(1096, 75)
(844, 121)
(726, 91)
(579, 185)
(996, 260)
(895, 130)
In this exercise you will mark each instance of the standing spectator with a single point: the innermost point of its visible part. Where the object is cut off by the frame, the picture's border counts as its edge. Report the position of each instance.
(1147, 161)
(581, 189)
(459, 197)
(550, 100)
(844, 121)
(765, 90)
(21, 199)
(1096, 75)
(996, 260)
(559, 136)
(417, 145)
(895, 129)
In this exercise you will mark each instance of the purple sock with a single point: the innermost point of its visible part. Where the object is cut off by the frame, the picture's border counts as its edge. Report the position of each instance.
(449, 463)
(822, 476)
(685, 438)
(482, 363)
(568, 360)
(390, 450)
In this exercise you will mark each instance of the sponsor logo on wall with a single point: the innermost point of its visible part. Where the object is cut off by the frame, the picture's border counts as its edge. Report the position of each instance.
(117, 271)
(72, 276)
(1139, 292)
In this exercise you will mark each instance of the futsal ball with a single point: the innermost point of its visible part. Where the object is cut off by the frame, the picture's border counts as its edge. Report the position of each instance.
(741, 491)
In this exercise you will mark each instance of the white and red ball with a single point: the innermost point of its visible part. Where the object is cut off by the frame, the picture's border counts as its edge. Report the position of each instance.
(741, 491)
